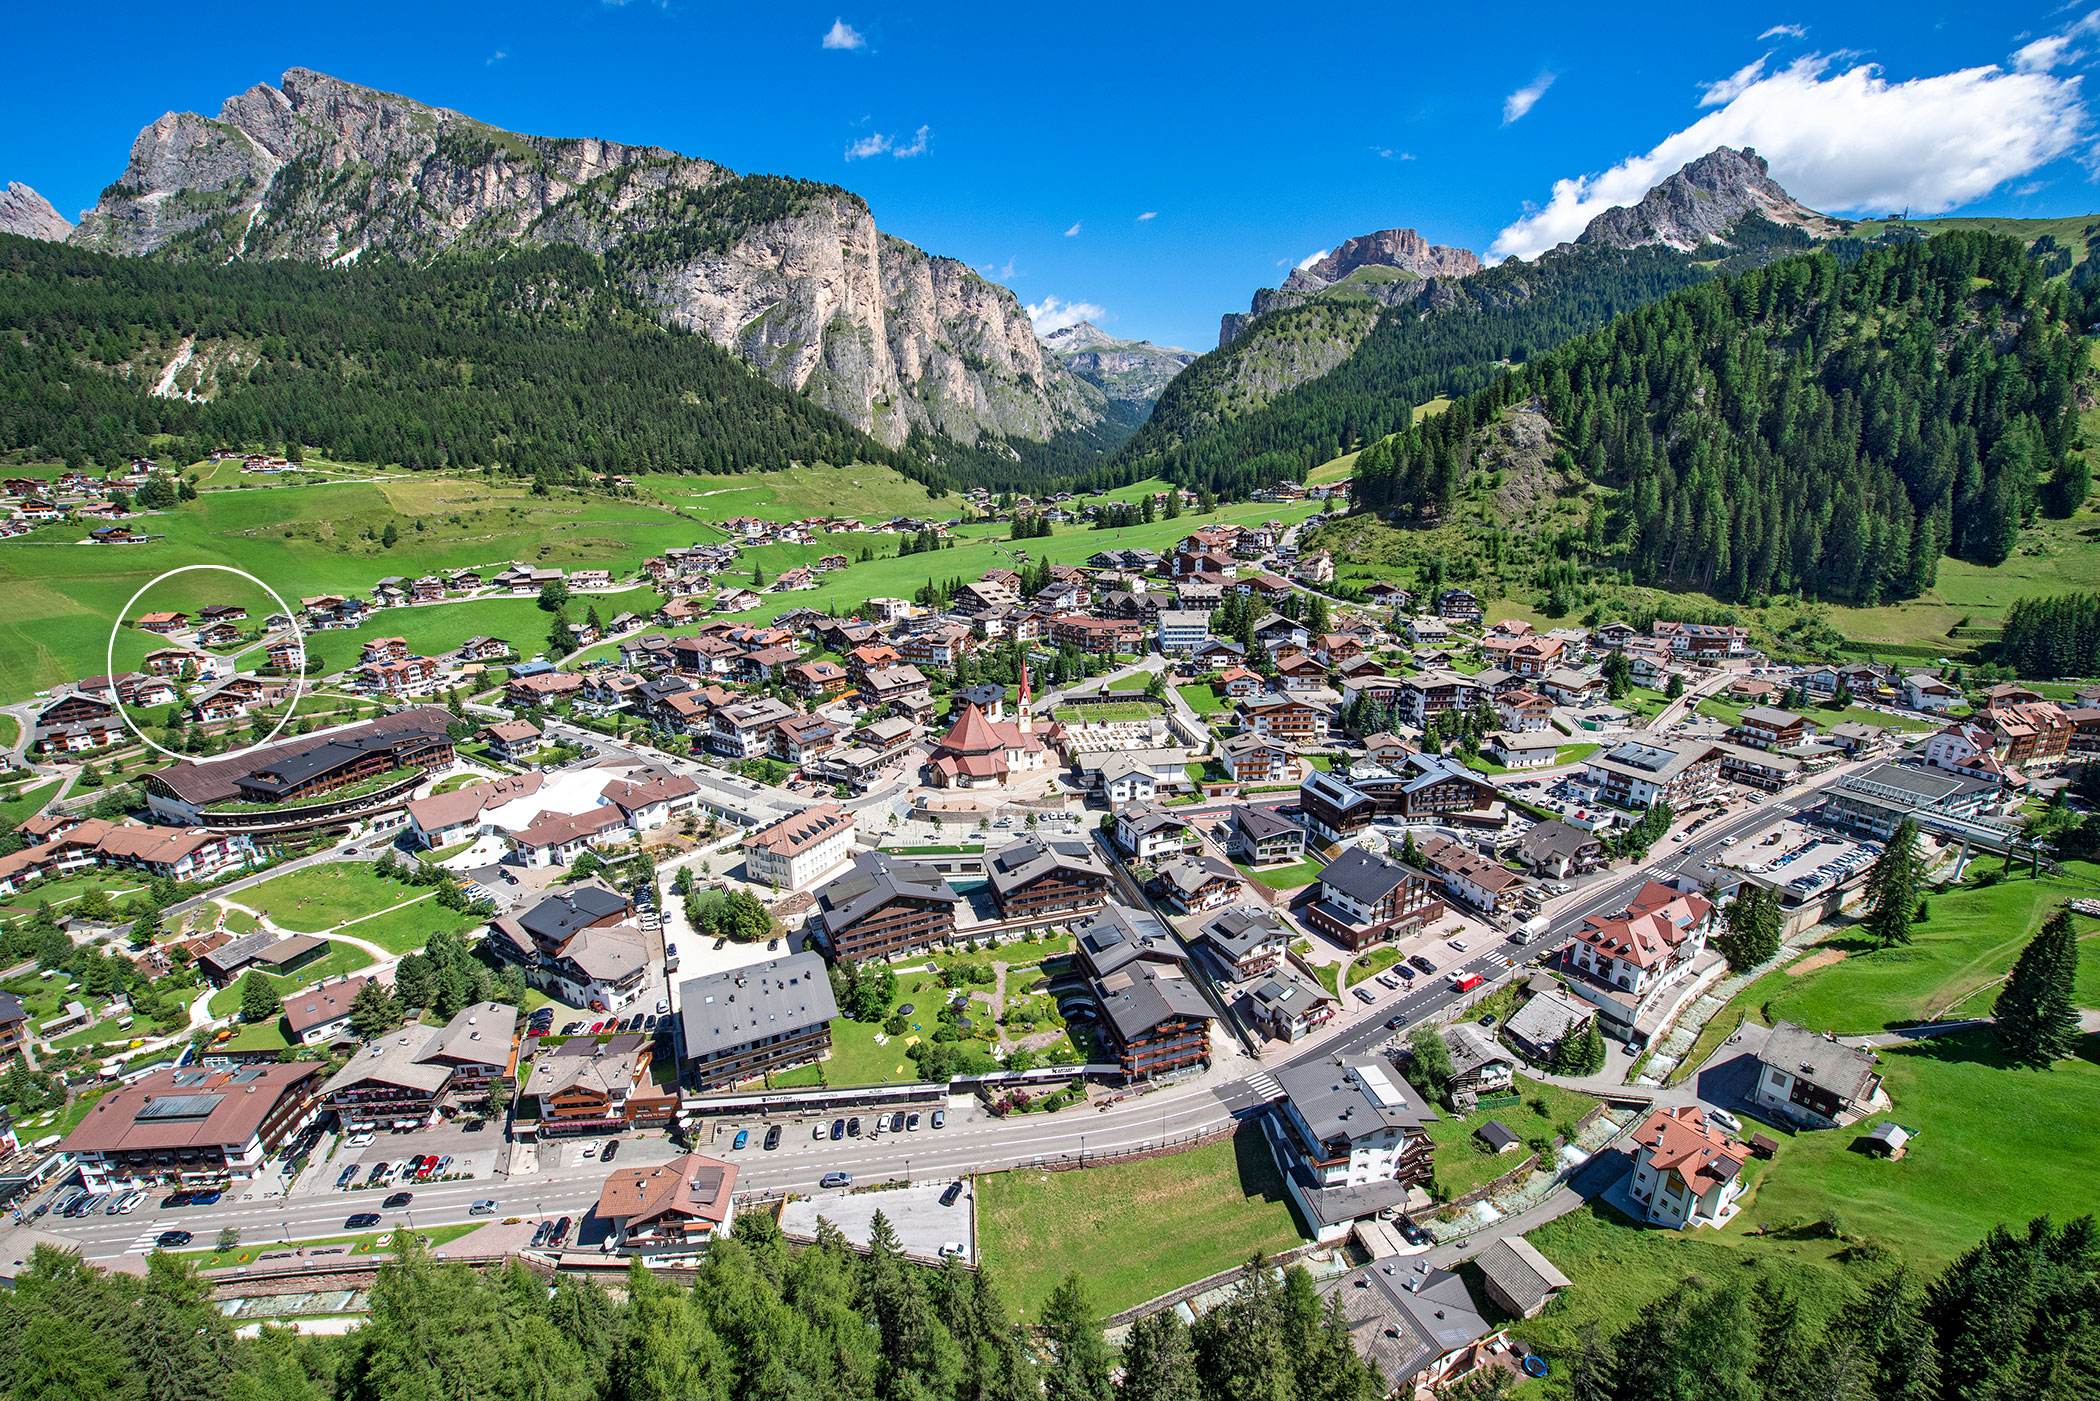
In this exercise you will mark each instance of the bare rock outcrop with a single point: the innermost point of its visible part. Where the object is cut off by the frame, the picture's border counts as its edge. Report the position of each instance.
(23, 211)
(1702, 204)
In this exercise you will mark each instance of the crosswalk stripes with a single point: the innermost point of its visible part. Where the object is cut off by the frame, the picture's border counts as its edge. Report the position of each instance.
(1262, 1083)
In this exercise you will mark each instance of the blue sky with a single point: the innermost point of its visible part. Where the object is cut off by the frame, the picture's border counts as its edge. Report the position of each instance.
(1152, 165)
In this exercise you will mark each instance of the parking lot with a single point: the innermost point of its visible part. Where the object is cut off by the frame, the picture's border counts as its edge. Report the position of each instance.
(1801, 857)
(635, 1150)
(473, 1153)
(924, 1226)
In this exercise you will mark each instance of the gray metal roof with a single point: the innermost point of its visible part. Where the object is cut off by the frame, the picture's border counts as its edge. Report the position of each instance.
(779, 997)
(873, 881)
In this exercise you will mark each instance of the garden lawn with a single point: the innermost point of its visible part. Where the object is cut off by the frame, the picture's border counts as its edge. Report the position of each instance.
(409, 928)
(1463, 1162)
(1204, 700)
(341, 959)
(1296, 874)
(1993, 1144)
(1134, 1230)
(1972, 938)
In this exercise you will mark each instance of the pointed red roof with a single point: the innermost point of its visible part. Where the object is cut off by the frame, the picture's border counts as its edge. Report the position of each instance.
(972, 734)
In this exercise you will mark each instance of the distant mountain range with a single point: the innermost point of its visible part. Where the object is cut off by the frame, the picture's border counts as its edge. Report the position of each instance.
(1130, 374)
(1353, 342)
(792, 276)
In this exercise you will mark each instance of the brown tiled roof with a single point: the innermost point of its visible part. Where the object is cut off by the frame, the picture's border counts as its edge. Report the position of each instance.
(188, 1108)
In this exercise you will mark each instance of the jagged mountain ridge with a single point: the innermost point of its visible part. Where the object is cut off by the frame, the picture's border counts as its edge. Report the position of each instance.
(23, 211)
(792, 276)
(1393, 266)
(1130, 373)
(1703, 202)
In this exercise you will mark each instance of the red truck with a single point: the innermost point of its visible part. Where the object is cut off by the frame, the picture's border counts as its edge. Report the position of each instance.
(1465, 982)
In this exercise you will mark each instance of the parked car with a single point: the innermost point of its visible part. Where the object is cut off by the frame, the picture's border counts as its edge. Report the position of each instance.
(344, 1178)
(743, 1136)
(940, 1118)
(820, 1133)
(1364, 996)
(1422, 963)
(540, 1234)
(590, 1151)
(954, 1190)
(560, 1234)
(1725, 1119)
(663, 1005)
(837, 1179)
(612, 1149)
(772, 1138)
(838, 1129)
(210, 1198)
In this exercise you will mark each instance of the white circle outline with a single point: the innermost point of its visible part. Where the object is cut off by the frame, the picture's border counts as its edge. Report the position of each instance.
(109, 661)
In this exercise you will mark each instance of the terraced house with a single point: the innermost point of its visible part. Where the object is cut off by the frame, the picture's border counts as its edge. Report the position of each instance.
(1154, 1015)
(752, 1021)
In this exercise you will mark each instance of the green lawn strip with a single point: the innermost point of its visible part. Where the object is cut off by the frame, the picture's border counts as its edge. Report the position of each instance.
(258, 1036)
(857, 1060)
(10, 731)
(1747, 1005)
(1288, 877)
(1328, 973)
(1134, 1230)
(341, 958)
(368, 1244)
(31, 802)
(1993, 1144)
(1204, 700)
(1463, 1162)
(77, 1110)
(1971, 938)
(409, 928)
(239, 921)
(66, 889)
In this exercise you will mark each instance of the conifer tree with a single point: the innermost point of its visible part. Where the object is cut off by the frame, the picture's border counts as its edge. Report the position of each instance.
(1892, 888)
(2036, 1015)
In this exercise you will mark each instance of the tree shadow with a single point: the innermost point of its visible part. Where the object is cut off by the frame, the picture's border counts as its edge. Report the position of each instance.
(1976, 1046)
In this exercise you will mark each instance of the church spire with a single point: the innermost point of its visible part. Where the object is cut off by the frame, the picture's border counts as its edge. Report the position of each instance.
(1027, 712)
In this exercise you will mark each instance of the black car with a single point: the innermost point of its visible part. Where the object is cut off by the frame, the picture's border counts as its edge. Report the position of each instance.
(172, 1240)
(1422, 963)
(954, 1190)
(175, 1199)
(398, 1199)
(363, 1220)
(612, 1146)
(1395, 1023)
(838, 1129)
(772, 1138)
(853, 1128)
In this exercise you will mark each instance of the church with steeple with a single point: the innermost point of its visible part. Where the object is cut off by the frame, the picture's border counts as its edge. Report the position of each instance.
(980, 752)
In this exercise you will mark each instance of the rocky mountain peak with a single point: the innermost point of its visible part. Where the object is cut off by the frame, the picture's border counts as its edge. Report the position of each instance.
(23, 211)
(1129, 373)
(1702, 202)
(790, 275)
(1403, 249)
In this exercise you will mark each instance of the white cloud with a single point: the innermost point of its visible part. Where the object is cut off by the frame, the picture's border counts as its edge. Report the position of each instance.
(1148, 215)
(1848, 140)
(1733, 86)
(1785, 31)
(876, 143)
(2053, 51)
(842, 35)
(1051, 314)
(1525, 98)
(1072, 232)
(1309, 259)
(495, 58)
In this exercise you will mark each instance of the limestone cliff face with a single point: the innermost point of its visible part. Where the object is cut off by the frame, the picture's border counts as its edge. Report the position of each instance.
(790, 275)
(23, 211)
(1702, 202)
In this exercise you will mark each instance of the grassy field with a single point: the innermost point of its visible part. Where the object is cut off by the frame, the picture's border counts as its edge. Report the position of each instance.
(1994, 1144)
(1822, 716)
(14, 812)
(341, 959)
(1134, 1230)
(873, 494)
(1204, 700)
(320, 898)
(1972, 938)
(1463, 1162)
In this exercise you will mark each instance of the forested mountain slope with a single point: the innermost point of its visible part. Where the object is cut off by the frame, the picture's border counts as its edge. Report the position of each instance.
(539, 362)
(1809, 425)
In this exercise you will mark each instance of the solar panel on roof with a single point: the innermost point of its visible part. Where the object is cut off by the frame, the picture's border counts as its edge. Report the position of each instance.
(181, 1107)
